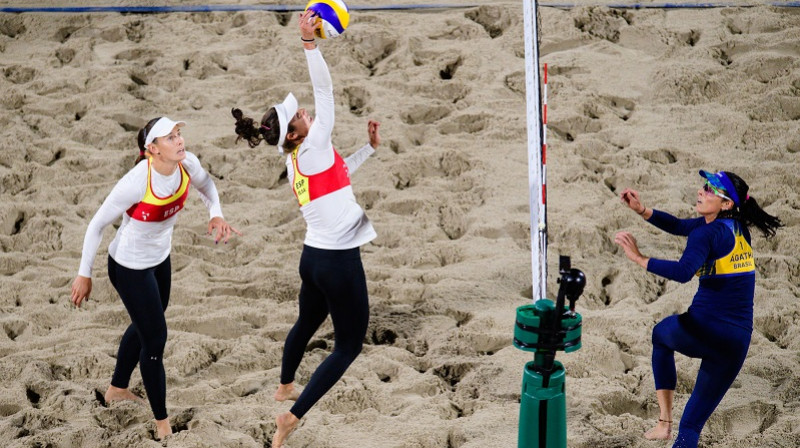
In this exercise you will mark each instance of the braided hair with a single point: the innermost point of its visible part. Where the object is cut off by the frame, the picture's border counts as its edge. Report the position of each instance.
(268, 130)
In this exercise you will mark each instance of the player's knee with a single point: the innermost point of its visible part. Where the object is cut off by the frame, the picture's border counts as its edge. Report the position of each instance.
(658, 333)
(154, 348)
(350, 349)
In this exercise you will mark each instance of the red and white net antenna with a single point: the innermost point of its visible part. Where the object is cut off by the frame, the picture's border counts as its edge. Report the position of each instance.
(544, 143)
(543, 217)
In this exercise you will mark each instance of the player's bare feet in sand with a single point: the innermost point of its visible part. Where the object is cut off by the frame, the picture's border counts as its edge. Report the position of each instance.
(287, 423)
(662, 431)
(118, 394)
(163, 429)
(286, 392)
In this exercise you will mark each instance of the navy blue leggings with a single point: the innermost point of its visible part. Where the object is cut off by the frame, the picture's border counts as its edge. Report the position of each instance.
(722, 348)
(145, 294)
(333, 282)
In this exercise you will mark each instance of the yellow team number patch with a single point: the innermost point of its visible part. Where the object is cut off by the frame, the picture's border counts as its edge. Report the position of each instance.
(738, 261)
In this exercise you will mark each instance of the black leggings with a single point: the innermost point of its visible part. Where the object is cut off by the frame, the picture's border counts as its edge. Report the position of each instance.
(333, 282)
(145, 294)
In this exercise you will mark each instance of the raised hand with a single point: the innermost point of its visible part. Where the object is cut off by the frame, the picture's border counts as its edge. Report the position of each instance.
(631, 199)
(308, 25)
(631, 248)
(372, 132)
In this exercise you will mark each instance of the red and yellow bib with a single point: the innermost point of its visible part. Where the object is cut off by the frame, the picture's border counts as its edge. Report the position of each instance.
(308, 188)
(153, 208)
(738, 262)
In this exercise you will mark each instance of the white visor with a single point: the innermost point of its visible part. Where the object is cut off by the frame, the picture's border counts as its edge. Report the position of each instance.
(162, 127)
(286, 111)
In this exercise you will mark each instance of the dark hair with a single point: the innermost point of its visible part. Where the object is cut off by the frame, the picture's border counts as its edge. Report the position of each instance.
(749, 212)
(142, 136)
(268, 130)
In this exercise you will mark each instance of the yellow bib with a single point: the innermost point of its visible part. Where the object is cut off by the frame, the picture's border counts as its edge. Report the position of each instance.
(308, 188)
(738, 262)
(154, 208)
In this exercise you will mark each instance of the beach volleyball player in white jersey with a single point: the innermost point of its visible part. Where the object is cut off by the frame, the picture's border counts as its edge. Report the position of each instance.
(148, 198)
(333, 280)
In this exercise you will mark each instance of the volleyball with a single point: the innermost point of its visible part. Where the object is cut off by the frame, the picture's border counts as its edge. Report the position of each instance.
(332, 17)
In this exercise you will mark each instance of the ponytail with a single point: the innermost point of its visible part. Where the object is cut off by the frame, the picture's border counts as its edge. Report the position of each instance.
(752, 214)
(749, 212)
(141, 137)
(253, 133)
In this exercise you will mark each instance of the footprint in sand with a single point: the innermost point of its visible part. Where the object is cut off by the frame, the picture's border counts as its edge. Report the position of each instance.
(196, 354)
(410, 171)
(494, 19)
(467, 123)
(687, 85)
(370, 49)
(357, 99)
(14, 328)
(12, 26)
(135, 31)
(63, 34)
(11, 222)
(602, 22)
(19, 74)
(425, 113)
(741, 421)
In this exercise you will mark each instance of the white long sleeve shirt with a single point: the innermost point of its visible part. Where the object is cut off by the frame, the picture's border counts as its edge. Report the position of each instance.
(143, 244)
(335, 220)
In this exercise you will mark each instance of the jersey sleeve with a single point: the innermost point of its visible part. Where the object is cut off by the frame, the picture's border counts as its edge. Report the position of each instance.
(316, 153)
(355, 160)
(204, 184)
(128, 191)
(673, 225)
(704, 242)
(323, 92)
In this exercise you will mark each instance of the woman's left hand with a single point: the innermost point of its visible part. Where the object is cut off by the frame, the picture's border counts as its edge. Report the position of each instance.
(308, 24)
(222, 228)
(374, 135)
(81, 289)
(629, 245)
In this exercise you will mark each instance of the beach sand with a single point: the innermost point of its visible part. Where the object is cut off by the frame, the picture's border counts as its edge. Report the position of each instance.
(637, 98)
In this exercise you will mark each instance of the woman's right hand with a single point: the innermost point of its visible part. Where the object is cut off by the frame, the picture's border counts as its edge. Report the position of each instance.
(81, 288)
(631, 248)
(631, 199)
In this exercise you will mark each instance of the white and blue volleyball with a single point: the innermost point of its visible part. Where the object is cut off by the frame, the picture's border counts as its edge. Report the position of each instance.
(332, 15)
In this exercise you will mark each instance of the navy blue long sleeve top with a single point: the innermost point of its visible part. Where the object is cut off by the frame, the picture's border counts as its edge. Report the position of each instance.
(729, 299)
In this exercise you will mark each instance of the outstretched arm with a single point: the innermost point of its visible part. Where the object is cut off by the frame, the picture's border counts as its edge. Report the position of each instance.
(357, 158)
(319, 134)
(698, 248)
(662, 220)
(673, 225)
(208, 194)
(316, 153)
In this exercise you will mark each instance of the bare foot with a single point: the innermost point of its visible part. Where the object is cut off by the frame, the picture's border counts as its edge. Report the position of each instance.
(118, 394)
(287, 423)
(286, 392)
(163, 429)
(662, 431)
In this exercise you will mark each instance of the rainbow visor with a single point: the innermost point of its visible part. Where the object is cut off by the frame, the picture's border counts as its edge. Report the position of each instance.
(721, 182)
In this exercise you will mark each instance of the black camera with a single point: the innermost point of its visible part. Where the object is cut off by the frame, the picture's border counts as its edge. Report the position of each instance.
(572, 282)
